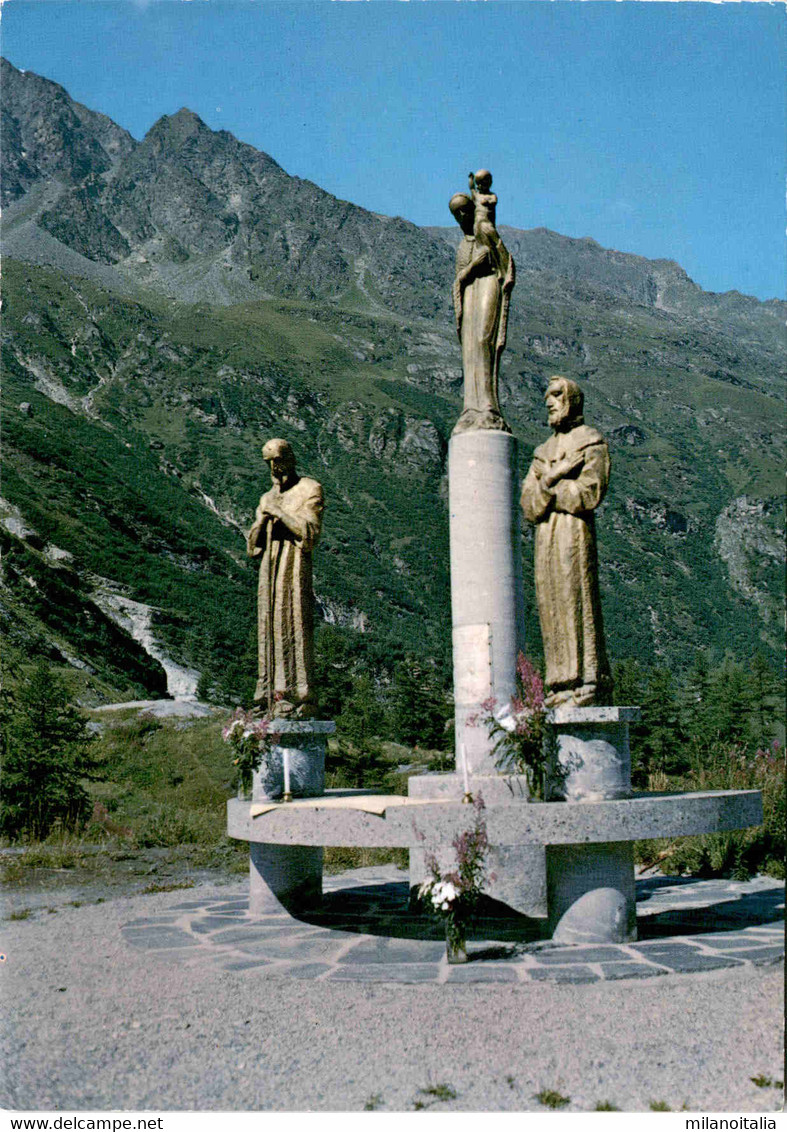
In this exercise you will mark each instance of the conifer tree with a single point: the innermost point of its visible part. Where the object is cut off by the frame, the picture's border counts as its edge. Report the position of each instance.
(45, 758)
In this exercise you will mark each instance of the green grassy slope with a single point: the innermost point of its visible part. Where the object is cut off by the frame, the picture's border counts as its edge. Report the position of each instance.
(141, 457)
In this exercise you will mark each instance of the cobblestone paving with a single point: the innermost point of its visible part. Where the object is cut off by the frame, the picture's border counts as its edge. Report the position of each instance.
(365, 932)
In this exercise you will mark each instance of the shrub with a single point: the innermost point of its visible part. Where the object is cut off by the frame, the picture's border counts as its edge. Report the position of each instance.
(739, 853)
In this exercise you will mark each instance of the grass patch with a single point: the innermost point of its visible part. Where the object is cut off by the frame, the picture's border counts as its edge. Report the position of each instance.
(605, 1106)
(340, 859)
(659, 1106)
(64, 855)
(763, 1082)
(173, 887)
(21, 914)
(551, 1098)
(434, 1094)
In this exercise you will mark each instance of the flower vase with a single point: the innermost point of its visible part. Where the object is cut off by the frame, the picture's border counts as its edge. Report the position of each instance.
(455, 941)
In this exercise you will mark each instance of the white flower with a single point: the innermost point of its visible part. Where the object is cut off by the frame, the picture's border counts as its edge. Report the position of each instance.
(425, 889)
(506, 718)
(443, 895)
(231, 728)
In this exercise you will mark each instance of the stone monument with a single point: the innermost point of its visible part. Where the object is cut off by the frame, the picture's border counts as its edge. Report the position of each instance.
(569, 859)
(566, 482)
(483, 283)
(487, 598)
(591, 891)
(285, 531)
(487, 595)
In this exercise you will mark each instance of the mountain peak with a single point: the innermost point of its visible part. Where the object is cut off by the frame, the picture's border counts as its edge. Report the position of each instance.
(178, 128)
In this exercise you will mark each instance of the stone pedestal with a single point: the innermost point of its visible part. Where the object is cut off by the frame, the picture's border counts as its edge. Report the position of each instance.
(590, 888)
(304, 742)
(518, 872)
(590, 760)
(487, 602)
(289, 876)
(285, 877)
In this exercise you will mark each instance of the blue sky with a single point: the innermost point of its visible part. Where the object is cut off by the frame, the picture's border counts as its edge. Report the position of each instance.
(655, 128)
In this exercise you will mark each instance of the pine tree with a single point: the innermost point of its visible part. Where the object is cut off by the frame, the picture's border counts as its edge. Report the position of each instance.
(730, 703)
(419, 709)
(662, 747)
(45, 758)
(766, 702)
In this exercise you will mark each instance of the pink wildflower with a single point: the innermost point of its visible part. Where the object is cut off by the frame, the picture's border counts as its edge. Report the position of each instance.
(532, 684)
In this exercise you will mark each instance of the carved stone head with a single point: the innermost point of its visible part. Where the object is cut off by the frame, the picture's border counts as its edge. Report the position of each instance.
(280, 458)
(463, 211)
(483, 180)
(565, 402)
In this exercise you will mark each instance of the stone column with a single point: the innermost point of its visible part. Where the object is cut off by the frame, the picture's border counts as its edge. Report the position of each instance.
(487, 609)
(284, 877)
(289, 877)
(590, 888)
(487, 601)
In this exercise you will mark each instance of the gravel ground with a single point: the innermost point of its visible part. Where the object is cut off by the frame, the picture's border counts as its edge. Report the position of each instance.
(94, 1024)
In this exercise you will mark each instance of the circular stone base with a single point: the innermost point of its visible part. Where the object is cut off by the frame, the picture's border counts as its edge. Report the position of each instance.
(685, 926)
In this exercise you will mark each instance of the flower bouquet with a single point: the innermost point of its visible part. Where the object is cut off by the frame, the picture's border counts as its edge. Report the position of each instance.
(253, 741)
(520, 730)
(453, 896)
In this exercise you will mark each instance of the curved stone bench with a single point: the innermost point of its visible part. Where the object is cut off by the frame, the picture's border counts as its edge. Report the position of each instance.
(362, 819)
(590, 889)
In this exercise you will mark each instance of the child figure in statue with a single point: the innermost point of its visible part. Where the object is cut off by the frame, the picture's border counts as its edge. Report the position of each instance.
(484, 222)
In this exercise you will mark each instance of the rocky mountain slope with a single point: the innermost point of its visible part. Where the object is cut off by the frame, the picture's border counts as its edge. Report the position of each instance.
(178, 299)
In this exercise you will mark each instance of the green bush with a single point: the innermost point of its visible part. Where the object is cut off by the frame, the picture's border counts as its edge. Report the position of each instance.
(737, 853)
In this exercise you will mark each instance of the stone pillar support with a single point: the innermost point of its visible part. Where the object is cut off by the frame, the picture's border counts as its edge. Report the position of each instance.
(590, 888)
(284, 877)
(487, 602)
(590, 893)
(289, 877)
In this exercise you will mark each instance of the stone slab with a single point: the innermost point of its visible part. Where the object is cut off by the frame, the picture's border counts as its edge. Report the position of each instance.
(643, 816)
(498, 788)
(758, 954)
(578, 974)
(394, 972)
(472, 973)
(622, 970)
(587, 716)
(386, 950)
(303, 727)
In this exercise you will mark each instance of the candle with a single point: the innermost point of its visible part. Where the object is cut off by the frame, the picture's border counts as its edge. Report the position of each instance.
(286, 759)
(463, 753)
